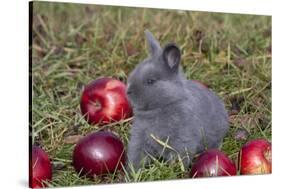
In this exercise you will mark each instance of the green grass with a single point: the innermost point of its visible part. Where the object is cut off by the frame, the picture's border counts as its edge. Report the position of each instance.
(73, 44)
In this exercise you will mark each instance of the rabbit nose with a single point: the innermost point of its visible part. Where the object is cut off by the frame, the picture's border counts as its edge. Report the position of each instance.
(129, 92)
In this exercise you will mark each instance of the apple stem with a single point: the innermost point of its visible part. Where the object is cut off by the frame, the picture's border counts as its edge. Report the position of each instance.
(96, 104)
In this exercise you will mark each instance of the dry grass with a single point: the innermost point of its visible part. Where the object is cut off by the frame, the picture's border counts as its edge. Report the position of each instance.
(73, 44)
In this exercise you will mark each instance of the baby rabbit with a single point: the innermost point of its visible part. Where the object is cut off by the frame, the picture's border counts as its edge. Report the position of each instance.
(181, 113)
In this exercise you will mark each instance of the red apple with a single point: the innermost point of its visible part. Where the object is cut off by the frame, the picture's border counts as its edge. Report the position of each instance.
(255, 157)
(201, 83)
(212, 163)
(40, 169)
(105, 100)
(98, 153)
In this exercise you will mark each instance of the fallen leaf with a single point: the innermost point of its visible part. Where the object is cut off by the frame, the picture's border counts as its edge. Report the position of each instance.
(241, 134)
(73, 139)
(240, 62)
(80, 39)
(235, 105)
(198, 35)
(248, 121)
(130, 49)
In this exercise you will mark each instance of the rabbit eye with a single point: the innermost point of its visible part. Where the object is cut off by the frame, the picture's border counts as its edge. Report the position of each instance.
(150, 81)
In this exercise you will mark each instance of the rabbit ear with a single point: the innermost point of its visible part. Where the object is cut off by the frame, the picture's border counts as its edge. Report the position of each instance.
(154, 45)
(172, 55)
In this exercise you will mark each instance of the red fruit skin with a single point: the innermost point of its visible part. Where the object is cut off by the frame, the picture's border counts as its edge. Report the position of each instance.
(201, 83)
(255, 157)
(40, 168)
(98, 153)
(104, 101)
(212, 163)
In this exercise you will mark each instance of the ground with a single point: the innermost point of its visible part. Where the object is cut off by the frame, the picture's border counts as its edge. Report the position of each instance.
(74, 44)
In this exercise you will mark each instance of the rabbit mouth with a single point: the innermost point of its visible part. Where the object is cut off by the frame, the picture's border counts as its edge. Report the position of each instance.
(150, 108)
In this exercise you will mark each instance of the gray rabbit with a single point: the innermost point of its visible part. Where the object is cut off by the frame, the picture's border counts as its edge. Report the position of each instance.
(173, 117)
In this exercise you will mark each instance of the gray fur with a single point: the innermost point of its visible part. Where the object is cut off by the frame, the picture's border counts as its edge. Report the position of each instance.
(185, 114)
